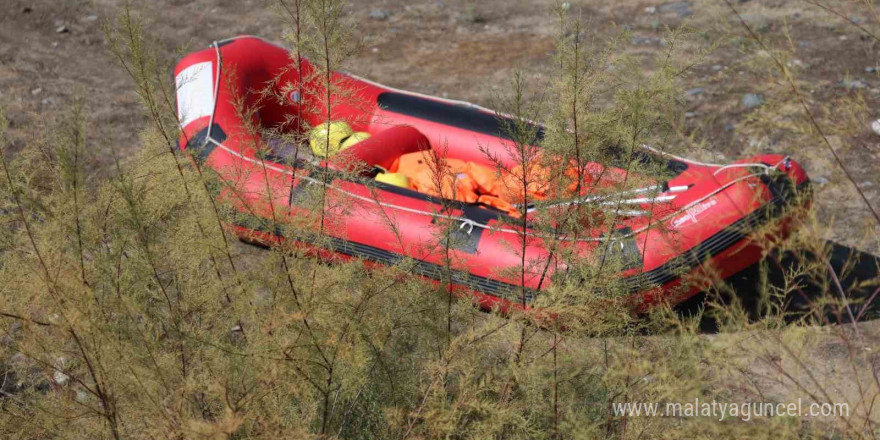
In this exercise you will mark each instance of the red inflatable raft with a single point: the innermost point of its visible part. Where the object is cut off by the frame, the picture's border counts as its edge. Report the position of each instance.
(706, 211)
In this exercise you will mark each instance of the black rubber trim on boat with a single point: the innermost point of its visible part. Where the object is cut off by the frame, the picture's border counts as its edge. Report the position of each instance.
(336, 175)
(500, 289)
(674, 167)
(468, 239)
(783, 192)
(490, 286)
(199, 146)
(454, 115)
(781, 188)
(690, 259)
(463, 239)
(624, 251)
(480, 121)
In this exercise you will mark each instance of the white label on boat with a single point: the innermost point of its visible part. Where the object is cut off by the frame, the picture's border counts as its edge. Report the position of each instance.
(195, 92)
(694, 211)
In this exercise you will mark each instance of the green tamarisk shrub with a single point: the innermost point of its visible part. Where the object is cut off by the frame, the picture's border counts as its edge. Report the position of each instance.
(129, 309)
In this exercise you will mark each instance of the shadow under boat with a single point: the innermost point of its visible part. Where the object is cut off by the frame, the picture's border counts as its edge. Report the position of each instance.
(857, 272)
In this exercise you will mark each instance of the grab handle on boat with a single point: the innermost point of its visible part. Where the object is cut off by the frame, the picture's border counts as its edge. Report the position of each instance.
(469, 223)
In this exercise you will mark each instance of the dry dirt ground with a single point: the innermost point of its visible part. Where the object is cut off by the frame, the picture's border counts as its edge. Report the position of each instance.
(51, 50)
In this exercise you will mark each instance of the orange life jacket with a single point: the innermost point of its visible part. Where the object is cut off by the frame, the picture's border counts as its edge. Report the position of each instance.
(471, 182)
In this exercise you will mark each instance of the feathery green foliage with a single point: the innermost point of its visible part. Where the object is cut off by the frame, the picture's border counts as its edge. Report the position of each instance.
(130, 311)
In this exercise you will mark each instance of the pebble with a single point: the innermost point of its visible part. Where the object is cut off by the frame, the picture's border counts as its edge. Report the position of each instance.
(876, 126)
(62, 30)
(751, 100)
(82, 396)
(60, 378)
(799, 63)
(646, 41)
(820, 180)
(853, 84)
(57, 376)
(695, 91)
(378, 14)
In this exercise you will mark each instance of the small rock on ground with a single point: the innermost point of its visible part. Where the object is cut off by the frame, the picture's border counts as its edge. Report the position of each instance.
(853, 84)
(820, 180)
(751, 100)
(378, 14)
